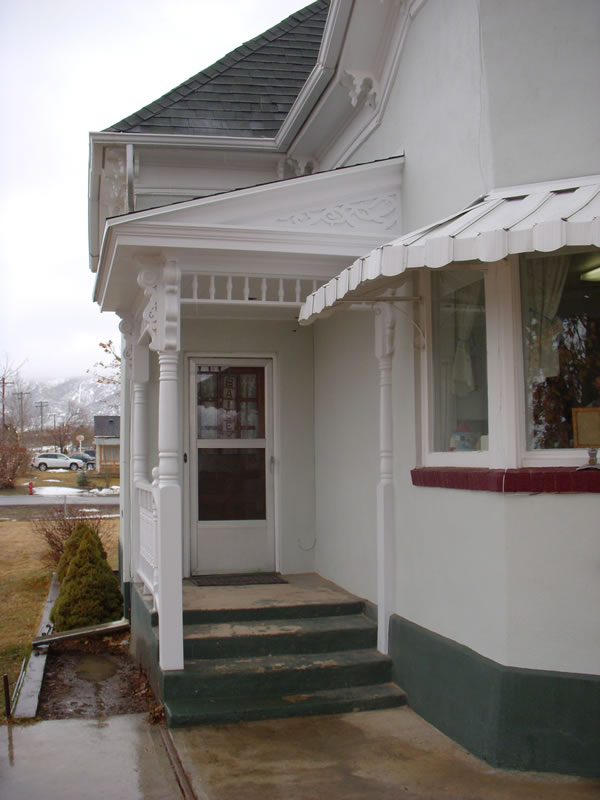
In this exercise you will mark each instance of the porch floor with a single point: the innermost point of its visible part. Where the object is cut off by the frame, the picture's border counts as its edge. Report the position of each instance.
(302, 590)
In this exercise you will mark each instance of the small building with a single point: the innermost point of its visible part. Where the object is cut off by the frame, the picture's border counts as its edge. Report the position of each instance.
(107, 440)
(356, 264)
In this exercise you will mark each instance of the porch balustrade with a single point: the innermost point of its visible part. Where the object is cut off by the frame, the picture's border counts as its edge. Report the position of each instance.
(147, 562)
(236, 289)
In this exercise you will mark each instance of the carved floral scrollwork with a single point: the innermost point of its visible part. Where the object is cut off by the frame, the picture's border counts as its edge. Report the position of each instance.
(379, 212)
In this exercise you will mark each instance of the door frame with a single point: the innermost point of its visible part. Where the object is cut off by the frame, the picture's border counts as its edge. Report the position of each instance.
(191, 460)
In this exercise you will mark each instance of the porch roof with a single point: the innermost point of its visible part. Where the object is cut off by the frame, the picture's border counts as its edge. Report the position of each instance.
(519, 219)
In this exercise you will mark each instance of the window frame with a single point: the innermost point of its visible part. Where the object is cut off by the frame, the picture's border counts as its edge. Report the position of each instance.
(507, 442)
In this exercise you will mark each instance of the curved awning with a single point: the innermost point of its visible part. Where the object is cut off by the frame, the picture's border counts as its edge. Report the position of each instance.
(539, 217)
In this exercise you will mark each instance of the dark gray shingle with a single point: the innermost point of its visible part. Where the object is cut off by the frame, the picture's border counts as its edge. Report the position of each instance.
(249, 92)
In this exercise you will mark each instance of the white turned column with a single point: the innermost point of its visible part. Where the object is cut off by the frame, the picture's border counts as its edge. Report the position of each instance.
(140, 431)
(386, 562)
(170, 574)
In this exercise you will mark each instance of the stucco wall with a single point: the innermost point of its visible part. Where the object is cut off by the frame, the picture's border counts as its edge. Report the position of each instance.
(542, 61)
(293, 386)
(435, 114)
(490, 94)
(346, 449)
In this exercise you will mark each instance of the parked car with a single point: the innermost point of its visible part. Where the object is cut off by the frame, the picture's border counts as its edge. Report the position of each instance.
(44, 461)
(86, 460)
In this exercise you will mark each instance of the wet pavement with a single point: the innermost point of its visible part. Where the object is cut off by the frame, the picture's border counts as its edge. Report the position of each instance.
(117, 758)
(384, 755)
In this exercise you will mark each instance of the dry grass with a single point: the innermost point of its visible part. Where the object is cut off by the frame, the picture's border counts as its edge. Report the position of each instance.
(24, 582)
(59, 477)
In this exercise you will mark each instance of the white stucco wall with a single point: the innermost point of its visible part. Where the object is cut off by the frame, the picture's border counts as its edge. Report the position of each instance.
(346, 449)
(435, 114)
(553, 589)
(542, 61)
(293, 386)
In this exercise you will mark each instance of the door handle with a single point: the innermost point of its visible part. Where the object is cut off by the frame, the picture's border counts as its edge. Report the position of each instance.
(272, 465)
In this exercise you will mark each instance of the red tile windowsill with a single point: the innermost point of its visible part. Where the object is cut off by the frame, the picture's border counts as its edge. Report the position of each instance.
(533, 480)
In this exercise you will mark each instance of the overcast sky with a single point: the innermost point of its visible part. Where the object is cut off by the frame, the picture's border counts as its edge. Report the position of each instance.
(70, 67)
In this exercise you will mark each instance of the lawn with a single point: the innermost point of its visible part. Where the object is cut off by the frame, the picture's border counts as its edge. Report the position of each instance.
(24, 582)
(60, 478)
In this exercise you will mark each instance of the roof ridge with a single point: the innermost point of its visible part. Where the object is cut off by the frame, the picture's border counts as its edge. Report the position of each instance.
(225, 63)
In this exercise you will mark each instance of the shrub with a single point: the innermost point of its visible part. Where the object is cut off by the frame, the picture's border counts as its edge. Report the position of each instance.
(55, 528)
(13, 461)
(72, 546)
(82, 479)
(89, 594)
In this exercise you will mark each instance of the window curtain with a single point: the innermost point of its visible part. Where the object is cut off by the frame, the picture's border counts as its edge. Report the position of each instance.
(467, 307)
(542, 284)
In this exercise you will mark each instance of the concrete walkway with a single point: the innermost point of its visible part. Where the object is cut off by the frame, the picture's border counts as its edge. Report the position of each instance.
(383, 755)
(119, 758)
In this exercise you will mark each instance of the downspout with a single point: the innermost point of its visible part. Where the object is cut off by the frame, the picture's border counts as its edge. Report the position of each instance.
(385, 324)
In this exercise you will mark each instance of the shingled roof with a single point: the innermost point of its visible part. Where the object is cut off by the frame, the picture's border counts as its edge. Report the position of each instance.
(249, 92)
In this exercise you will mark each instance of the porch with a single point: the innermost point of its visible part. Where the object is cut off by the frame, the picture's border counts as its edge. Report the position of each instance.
(297, 648)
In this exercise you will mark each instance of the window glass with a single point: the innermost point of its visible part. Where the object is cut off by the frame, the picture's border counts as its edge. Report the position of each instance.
(230, 402)
(560, 298)
(231, 484)
(459, 361)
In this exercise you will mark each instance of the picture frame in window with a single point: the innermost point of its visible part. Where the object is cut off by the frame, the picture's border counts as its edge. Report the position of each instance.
(586, 427)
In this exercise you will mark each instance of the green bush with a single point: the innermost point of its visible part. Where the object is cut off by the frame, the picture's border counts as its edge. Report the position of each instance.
(82, 479)
(89, 594)
(72, 546)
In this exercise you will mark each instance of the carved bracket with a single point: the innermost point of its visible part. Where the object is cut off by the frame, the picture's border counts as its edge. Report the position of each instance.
(161, 315)
(361, 87)
(127, 332)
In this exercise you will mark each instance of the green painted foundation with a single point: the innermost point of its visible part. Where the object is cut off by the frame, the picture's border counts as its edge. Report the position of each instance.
(512, 718)
(125, 585)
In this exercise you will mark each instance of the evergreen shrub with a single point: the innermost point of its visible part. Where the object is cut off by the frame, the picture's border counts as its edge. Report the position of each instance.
(72, 546)
(89, 594)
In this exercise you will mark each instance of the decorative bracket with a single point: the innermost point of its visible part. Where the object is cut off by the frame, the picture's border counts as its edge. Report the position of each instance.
(161, 314)
(126, 328)
(361, 87)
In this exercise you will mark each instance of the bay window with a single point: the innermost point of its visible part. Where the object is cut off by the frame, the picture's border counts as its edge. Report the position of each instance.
(513, 348)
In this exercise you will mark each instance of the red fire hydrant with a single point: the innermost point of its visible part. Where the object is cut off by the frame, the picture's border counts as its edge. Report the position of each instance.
(30, 487)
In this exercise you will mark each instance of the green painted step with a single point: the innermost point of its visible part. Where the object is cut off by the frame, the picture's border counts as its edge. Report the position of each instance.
(266, 676)
(267, 637)
(185, 713)
(303, 610)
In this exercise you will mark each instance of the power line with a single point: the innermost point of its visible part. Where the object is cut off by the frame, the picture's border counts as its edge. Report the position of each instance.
(42, 404)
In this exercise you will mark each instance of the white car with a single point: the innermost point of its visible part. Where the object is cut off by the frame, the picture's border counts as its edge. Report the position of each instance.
(44, 461)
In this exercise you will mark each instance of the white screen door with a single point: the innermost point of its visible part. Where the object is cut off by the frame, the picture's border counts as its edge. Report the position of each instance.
(232, 434)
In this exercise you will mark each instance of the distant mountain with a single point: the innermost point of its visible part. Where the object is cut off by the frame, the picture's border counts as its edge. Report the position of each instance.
(65, 396)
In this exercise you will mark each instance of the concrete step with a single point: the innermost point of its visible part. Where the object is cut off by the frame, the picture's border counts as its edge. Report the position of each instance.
(186, 713)
(269, 637)
(281, 610)
(266, 676)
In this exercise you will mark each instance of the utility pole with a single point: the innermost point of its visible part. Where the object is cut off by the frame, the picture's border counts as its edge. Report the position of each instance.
(4, 383)
(42, 404)
(21, 396)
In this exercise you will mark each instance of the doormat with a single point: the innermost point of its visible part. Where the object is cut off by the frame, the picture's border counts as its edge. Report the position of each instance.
(252, 579)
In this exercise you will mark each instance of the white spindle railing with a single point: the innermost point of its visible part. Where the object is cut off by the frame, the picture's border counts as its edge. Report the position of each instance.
(231, 289)
(147, 568)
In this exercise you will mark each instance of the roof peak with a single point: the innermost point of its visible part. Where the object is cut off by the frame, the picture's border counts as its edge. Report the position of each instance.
(247, 92)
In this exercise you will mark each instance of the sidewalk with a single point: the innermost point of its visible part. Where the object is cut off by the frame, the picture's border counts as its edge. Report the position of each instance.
(383, 755)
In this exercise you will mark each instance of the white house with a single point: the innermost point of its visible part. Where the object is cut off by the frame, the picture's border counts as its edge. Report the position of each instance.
(357, 263)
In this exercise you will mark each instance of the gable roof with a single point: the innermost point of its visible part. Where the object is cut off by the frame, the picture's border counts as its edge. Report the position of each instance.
(248, 93)
(107, 426)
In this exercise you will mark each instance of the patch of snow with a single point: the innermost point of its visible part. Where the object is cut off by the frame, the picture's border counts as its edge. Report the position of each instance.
(114, 490)
(56, 490)
(52, 480)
